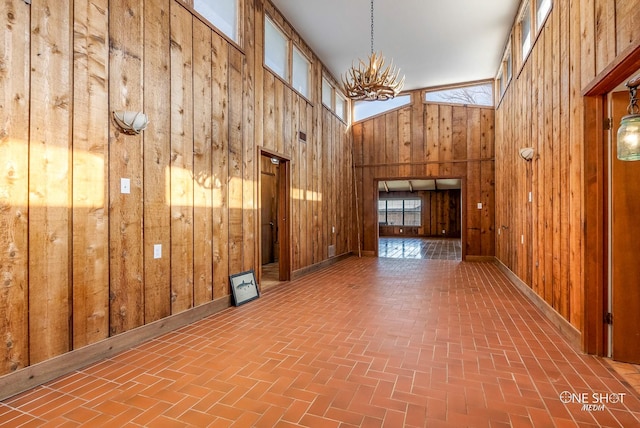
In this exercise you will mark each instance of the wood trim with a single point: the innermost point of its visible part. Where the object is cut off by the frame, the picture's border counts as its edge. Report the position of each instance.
(568, 331)
(37, 374)
(595, 196)
(316, 267)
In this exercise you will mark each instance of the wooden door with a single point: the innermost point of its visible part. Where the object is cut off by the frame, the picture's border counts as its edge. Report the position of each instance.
(268, 217)
(625, 247)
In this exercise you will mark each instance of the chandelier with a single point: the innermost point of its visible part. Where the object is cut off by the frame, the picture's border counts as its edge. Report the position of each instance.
(371, 82)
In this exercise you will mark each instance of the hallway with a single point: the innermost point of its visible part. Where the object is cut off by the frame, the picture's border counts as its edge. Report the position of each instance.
(366, 342)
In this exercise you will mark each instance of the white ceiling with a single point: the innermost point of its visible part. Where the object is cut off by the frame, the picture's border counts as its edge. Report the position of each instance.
(434, 42)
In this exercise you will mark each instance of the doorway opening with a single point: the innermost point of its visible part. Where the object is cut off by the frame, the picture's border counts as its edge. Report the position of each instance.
(275, 263)
(622, 299)
(420, 218)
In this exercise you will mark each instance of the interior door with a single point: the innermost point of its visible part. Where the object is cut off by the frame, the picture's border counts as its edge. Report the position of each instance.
(625, 246)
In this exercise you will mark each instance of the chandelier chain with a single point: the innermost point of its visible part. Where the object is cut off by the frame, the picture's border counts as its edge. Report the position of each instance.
(371, 27)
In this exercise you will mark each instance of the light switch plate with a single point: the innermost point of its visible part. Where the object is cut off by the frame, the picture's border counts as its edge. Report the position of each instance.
(479, 205)
(125, 186)
(157, 251)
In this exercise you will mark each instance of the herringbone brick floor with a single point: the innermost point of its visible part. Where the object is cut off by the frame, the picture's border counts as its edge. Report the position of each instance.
(366, 342)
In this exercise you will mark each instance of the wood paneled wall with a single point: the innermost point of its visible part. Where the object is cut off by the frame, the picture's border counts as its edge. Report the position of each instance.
(543, 241)
(77, 255)
(429, 141)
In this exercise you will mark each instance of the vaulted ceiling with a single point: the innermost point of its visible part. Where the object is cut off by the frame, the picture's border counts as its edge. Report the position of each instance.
(434, 42)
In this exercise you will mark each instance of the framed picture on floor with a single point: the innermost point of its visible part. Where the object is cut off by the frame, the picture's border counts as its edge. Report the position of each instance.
(244, 287)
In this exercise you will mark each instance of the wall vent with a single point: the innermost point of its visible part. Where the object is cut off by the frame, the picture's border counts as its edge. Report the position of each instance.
(332, 250)
(302, 136)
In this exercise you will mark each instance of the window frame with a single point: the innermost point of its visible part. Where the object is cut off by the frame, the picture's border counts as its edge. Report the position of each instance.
(291, 47)
(295, 50)
(403, 200)
(336, 95)
(488, 83)
(237, 38)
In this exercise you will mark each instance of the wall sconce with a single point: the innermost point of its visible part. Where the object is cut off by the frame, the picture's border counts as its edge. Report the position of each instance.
(526, 153)
(629, 131)
(131, 122)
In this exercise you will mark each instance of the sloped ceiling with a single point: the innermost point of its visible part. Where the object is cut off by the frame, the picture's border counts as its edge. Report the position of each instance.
(434, 42)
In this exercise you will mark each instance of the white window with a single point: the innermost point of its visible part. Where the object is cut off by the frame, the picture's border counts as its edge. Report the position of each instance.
(301, 73)
(480, 95)
(341, 107)
(543, 7)
(221, 13)
(365, 109)
(327, 93)
(276, 50)
(525, 32)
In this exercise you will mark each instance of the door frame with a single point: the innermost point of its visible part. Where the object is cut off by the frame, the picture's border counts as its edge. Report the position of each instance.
(595, 251)
(284, 214)
(463, 209)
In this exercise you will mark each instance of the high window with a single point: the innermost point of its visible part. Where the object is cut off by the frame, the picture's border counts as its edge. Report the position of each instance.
(301, 73)
(285, 59)
(543, 7)
(525, 32)
(223, 14)
(333, 99)
(276, 48)
(365, 109)
(399, 212)
(476, 94)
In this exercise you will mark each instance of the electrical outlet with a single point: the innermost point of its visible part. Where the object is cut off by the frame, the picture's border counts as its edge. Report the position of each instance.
(444, 232)
(125, 186)
(400, 230)
(157, 251)
(333, 229)
(479, 205)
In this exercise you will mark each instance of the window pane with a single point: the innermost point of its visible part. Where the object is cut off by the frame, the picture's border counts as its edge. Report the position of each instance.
(543, 6)
(301, 68)
(327, 93)
(275, 49)
(474, 94)
(382, 212)
(341, 107)
(525, 32)
(394, 212)
(221, 13)
(509, 67)
(412, 212)
(365, 109)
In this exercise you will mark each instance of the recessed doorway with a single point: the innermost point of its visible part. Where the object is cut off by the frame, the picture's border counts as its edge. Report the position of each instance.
(275, 235)
(420, 218)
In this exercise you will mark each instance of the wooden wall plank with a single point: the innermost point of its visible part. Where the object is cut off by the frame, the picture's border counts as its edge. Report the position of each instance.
(445, 140)
(125, 161)
(220, 164)
(14, 185)
(182, 171)
(90, 174)
(202, 165)
(431, 136)
(235, 186)
(157, 154)
(250, 165)
(50, 180)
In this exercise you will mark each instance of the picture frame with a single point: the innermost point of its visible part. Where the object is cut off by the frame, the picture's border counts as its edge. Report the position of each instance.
(244, 287)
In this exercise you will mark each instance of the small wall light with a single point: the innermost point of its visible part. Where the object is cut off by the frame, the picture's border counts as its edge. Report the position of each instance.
(629, 131)
(131, 122)
(526, 153)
